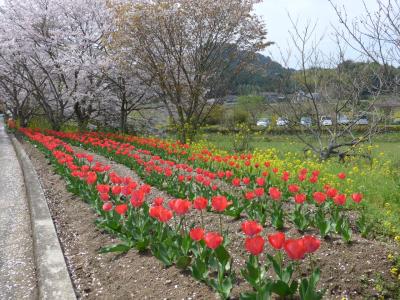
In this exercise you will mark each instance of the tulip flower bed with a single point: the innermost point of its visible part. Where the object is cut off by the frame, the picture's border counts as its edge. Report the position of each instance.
(247, 194)
(120, 204)
(174, 231)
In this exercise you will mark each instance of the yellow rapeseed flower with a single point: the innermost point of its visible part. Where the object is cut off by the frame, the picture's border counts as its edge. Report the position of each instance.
(394, 271)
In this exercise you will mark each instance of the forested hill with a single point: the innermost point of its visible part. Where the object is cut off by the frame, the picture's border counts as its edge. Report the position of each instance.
(261, 74)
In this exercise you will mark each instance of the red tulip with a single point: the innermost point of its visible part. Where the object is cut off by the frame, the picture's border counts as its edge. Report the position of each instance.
(259, 192)
(254, 245)
(145, 188)
(250, 195)
(121, 209)
(116, 189)
(260, 181)
(313, 179)
(341, 175)
(340, 199)
(251, 228)
(236, 181)
(213, 240)
(300, 198)
(158, 201)
(164, 215)
(154, 211)
(275, 193)
(220, 203)
(107, 206)
(303, 171)
(137, 198)
(331, 192)
(357, 197)
(285, 176)
(103, 188)
(181, 207)
(197, 234)
(115, 179)
(319, 197)
(104, 197)
(246, 180)
(293, 188)
(315, 173)
(295, 249)
(267, 164)
(221, 174)
(91, 178)
(277, 240)
(311, 243)
(200, 203)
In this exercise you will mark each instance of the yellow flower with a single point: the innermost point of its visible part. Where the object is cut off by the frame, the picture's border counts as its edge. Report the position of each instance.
(390, 257)
(394, 271)
(397, 238)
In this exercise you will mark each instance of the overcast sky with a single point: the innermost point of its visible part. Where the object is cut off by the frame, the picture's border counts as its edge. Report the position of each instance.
(275, 15)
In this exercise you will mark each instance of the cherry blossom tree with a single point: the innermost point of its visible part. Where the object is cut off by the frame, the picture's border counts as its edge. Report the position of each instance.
(57, 46)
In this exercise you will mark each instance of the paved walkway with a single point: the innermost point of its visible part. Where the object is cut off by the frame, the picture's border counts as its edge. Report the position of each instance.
(17, 267)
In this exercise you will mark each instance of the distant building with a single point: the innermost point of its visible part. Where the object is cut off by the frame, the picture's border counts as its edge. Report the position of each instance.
(303, 96)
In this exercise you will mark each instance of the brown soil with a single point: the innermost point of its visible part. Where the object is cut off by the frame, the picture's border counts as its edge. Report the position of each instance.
(346, 270)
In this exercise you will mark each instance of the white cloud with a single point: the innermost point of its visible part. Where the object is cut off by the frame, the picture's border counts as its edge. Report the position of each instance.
(275, 14)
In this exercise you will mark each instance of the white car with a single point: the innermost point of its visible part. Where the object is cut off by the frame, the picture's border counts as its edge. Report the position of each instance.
(306, 121)
(263, 123)
(343, 120)
(282, 122)
(362, 121)
(326, 121)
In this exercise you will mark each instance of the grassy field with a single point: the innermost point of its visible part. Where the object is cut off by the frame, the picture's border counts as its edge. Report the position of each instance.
(389, 144)
(379, 181)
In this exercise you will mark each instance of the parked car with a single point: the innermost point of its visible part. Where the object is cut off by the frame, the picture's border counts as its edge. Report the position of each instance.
(363, 120)
(282, 122)
(343, 120)
(306, 121)
(263, 122)
(396, 121)
(326, 121)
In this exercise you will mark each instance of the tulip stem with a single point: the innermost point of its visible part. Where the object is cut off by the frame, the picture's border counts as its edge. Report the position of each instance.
(220, 224)
(311, 263)
(202, 218)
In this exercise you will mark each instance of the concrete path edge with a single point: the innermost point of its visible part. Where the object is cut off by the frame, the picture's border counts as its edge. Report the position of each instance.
(54, 281)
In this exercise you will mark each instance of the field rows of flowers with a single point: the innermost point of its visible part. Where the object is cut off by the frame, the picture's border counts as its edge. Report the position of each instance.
(259, 195)
(262, 194)
(161, 227)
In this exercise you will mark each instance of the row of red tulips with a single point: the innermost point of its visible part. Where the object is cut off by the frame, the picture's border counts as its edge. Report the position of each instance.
(123, 211)
(181, 180)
